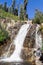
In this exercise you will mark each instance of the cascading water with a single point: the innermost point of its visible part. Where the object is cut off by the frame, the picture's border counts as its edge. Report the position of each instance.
(18, 42)
(38, 46)
(38, 38)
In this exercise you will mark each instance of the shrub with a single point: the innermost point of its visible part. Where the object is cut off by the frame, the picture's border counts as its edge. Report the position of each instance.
(41, 29)
(38, 18)
(3, 34)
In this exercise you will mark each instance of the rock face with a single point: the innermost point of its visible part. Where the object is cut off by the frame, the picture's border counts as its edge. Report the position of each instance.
(27, 51)
(12, 30)
(4, 47)
(30, 38)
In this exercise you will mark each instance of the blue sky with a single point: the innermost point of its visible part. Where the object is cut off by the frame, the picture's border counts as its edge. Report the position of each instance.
(32, 5)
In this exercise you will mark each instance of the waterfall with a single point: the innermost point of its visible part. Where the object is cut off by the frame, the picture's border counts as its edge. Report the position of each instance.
(18, 42)
(38, 38)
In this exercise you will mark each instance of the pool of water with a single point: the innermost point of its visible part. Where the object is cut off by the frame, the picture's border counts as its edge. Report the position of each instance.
(16, 63)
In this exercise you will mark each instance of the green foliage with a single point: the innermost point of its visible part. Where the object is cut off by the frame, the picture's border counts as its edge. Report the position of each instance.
(16, 12)
(5, 6)
(3, 34)
(25, 8)
(13, 6)
(41, 29)
(9, 9)
(25, 4)
(12, 9)
(13, 3)
(4, 14)
(12, 12)
(38, 17)
(21, 13)
(1, 6)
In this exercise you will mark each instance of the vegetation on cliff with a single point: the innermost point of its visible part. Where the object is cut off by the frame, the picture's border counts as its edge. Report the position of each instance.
(12, 11)
(4, 14)
(41, 29)
(38, 18)
(3, 34)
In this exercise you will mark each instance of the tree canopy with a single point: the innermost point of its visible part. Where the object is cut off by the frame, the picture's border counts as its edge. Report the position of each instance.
(38, 18)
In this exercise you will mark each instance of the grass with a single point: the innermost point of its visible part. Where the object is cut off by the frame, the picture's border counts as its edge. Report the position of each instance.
(4, 14)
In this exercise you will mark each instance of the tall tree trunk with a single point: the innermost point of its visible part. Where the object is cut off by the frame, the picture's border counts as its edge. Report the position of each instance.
(25, 7)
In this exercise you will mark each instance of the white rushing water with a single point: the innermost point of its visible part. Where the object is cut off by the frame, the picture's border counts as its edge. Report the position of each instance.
(38, 38)
(18, 42)
(38, 45)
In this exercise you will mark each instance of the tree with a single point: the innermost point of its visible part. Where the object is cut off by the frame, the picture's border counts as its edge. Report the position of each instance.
(13, 6)
(16, 12)
(25, 7)
(13, 3)
(1, 6)
(9, 9)
(38, 18)
(5, 6)
(21, 13)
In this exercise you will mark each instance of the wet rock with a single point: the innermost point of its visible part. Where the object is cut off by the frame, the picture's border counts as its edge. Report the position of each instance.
(27, 52)
(27, 55)
(30, 37)
(12, 30)
(41, 58)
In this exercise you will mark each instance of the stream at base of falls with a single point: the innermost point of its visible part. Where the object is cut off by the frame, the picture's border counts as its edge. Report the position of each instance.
(19, 63)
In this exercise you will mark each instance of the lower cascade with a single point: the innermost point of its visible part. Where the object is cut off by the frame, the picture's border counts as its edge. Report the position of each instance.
(38, 38)
(18, 42)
